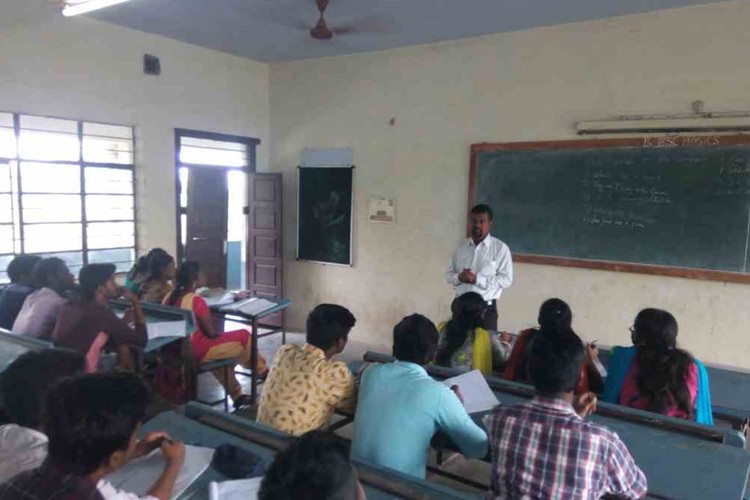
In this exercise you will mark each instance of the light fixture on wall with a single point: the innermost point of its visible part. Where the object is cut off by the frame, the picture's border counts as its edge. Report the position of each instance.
(697, 121)
(76, 7)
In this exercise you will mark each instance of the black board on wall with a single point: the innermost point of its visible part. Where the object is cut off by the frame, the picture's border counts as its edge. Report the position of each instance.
(324, 229)
(677, 206)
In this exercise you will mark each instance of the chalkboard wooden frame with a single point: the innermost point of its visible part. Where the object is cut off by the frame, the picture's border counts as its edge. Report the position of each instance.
(664, 141)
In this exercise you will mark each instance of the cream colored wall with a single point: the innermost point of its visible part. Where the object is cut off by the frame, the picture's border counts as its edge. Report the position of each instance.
(522, 86)
(79, 68)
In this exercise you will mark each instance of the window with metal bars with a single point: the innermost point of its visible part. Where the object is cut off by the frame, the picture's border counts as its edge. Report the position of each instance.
(67, 190)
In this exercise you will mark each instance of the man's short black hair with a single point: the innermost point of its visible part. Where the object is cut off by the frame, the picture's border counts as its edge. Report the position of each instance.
(415, 339)
(92, 276)
(327, 323)
(25, 382)
(22, 265)
(314, 467)
(555, 362)
(482, 209)
(90, 417)
(45, 271)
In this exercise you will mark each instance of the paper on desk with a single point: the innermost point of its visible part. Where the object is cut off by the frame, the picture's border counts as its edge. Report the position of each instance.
(220, 300)
(166, 329)
(138, 476)
(235, 306)
(243, 489)
(257, 306)
(478, 396)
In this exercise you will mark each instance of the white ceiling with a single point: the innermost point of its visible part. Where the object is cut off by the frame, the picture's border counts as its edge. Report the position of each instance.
(276, 30)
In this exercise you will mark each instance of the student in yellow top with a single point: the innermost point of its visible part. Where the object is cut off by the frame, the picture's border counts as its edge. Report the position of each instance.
(464, 344)
(305, 385)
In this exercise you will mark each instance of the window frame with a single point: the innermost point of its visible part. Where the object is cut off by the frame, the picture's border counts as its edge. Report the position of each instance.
(82, 164)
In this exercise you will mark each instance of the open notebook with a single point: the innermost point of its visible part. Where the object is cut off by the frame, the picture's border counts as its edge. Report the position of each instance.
(478, 397)
(137, 476)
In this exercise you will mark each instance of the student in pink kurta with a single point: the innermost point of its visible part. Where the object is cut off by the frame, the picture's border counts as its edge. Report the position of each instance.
(209, 345)
(661, 378)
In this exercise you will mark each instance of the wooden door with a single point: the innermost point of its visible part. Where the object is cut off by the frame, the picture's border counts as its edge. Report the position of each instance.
(264, 238)
(207, 222)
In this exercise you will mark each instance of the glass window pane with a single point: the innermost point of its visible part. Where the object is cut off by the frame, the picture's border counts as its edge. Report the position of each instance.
(121, 257)
(5, 179)
(51, 208)
(107, 130)
(107, 150)
(111, 234)
(6, 239)
(4, 261)
(50, 178)
(47, 124)
(209, 152)
(6, 209)
(108, 207)
(6, 120)
(108, 180)
(7, 142)
(51, 146)
(52, 237)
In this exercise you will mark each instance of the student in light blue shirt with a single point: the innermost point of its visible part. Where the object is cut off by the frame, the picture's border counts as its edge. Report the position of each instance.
(400, 407)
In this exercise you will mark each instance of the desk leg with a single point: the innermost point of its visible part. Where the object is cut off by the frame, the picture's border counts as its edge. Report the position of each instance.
(254, 362)
(191, 376)
(283, 327)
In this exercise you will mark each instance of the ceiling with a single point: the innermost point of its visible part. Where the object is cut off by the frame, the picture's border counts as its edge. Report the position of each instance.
(276, 30)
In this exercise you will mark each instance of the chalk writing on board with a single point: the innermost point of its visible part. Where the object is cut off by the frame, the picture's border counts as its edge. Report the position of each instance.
(673, 141)
(599, 216)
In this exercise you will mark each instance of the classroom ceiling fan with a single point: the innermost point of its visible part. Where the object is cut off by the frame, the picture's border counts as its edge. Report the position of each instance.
(374, 23)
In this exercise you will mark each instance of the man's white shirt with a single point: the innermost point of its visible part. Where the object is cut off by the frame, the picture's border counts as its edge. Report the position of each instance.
(490, 260)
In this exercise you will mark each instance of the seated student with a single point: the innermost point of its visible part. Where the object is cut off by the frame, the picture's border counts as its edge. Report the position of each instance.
(158, 284)
(39, 312)
(91, 423)
(24, 386)
(82, 322)
(139, 273)
(21, 286)
(655, 375)
(305, 386)
(315, 466)
(208, 344)
(400, 407)
(464, 344)
(555, 317)
(545, 449)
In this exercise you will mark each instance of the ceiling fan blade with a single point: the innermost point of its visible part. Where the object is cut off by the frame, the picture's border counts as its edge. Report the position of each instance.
(375, 24)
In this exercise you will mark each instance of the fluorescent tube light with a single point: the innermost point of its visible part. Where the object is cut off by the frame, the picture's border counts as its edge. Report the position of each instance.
(715, 123)
(74, 9)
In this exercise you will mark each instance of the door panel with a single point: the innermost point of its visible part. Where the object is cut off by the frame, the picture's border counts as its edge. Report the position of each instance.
(264, 253)
(207, 222)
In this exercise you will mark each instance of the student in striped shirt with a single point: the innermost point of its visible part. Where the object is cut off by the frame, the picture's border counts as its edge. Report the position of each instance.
(545, 448)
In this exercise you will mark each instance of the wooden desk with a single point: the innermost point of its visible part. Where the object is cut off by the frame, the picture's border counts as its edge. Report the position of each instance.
(203, 426)
(255, 323)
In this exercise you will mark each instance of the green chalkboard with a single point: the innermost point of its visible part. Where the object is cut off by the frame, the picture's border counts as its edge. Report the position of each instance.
(674, 206)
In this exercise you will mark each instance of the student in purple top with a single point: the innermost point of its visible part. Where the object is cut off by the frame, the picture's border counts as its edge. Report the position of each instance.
(39, 312)
(21, 285)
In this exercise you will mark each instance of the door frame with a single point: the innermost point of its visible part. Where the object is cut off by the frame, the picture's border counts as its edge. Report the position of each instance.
(250, 142)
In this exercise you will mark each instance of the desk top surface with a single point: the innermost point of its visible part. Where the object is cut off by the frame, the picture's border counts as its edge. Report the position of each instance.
(193, 432)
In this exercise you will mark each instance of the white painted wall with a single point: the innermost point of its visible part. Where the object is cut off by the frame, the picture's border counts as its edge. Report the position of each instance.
(84, 69)
(520, 86)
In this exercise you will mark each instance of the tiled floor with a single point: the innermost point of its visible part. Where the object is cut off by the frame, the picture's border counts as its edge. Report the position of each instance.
(209, 389)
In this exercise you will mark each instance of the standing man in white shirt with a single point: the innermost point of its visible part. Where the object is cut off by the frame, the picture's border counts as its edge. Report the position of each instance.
(481, 264)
